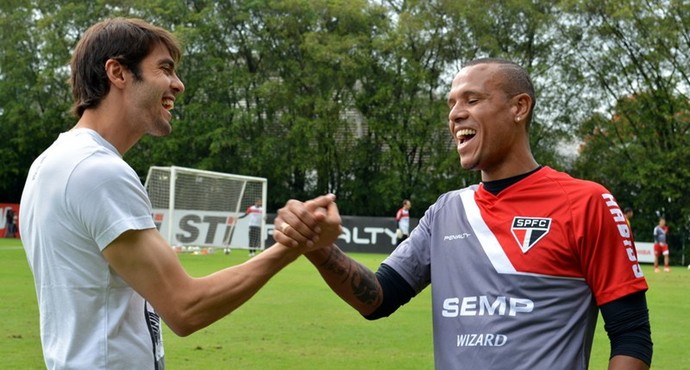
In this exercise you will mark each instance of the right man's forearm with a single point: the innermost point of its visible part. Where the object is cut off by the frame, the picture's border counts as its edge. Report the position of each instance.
(354, 283)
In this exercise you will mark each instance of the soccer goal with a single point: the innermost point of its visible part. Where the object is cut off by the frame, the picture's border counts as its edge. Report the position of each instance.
(204, 209)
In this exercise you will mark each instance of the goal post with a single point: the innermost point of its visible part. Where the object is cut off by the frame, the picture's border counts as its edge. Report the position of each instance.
(202, 208)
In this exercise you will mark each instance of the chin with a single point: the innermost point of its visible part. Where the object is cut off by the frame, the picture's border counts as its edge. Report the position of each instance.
(467, 165)
(162, 130)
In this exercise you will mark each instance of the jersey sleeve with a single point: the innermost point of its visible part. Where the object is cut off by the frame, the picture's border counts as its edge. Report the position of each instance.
(412, 258)
(606, 246)
(108, 199)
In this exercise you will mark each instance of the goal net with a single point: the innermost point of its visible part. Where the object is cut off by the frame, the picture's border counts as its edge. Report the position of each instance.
(204, 209)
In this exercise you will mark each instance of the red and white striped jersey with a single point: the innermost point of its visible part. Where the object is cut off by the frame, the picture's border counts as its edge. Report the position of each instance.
(517, 277)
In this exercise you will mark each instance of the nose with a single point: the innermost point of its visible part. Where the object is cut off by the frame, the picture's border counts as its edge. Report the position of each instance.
(457, 113)
(177, 85)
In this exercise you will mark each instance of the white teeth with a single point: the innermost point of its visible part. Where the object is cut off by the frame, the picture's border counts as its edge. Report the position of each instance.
(465, 132)
(168, 104)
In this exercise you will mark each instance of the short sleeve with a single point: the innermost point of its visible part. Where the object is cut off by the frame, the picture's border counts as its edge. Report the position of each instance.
(607, 249)
(107, 198)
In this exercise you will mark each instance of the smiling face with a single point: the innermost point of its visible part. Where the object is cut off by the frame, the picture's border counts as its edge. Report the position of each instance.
(487, 124)
(151, 98)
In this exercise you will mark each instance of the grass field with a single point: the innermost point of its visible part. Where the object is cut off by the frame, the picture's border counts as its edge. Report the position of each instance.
(295, 322)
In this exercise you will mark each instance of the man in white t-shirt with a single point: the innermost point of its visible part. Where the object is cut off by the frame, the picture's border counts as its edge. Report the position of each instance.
(104, 275)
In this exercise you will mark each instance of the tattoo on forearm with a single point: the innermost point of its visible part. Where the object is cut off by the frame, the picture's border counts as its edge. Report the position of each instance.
(335, 263)
(361, 279)
(364, 285)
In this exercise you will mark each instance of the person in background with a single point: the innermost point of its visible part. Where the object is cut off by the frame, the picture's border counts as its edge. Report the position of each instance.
(10, 223)
(661, 245)
(104, 276)
(256, 214)
(519, 265)
(628, 212)
(402, 220)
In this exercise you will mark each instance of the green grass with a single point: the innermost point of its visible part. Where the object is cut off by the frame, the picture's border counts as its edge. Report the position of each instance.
(295, 322)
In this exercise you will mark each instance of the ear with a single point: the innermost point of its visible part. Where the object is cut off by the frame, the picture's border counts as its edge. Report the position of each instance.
(116, 73)
(522, 106)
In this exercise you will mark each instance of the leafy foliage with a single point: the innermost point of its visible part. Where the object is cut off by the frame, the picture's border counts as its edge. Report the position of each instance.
(640, 147)
(349, 96)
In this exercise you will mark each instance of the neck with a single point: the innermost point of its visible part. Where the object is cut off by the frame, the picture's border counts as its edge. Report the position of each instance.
(108, 124)
(496, 186)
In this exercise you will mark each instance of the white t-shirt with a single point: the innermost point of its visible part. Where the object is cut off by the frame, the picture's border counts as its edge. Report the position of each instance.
(255, 214)
(403, 219)
(79, 196)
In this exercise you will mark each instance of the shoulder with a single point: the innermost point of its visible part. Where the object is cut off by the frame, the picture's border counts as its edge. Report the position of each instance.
(584, 202)
(97, 158)
(106, 169)
(572, 186)
(104, 175)
(566, 179)
(88, 162)
(451, 200)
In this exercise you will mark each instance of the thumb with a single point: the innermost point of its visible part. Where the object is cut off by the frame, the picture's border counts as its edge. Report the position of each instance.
(320, 202)
(332, 213)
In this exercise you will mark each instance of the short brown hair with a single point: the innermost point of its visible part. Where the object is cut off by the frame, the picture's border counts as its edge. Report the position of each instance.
(127, 40)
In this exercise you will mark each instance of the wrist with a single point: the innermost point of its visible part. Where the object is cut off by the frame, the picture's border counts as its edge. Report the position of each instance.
(283, 251)
(317, 256)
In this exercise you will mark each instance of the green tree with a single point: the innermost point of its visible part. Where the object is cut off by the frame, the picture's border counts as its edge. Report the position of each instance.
(34, 98)
(349, 96)
(634, 65)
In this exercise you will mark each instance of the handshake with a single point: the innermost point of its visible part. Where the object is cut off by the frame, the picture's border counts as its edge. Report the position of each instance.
(308, 226)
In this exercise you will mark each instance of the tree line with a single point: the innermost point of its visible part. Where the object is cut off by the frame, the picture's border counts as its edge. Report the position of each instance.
(349, 96)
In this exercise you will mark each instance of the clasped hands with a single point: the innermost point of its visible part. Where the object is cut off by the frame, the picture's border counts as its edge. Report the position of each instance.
(308, 225)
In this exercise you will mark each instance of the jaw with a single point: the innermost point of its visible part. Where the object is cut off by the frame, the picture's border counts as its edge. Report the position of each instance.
(468, 151)
(468, 163)
(166, 114)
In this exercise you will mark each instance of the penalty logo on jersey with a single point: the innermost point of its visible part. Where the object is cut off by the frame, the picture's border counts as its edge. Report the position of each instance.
(529, 230)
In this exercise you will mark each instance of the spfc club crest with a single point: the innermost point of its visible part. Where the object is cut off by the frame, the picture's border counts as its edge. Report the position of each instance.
(529, 230)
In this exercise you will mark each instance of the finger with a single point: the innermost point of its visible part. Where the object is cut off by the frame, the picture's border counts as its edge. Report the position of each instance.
(300, 223)
(284, 234)
(302, 216)
(304, 226)
(319, 203)
(304, 211)
(332, 213)
(331, 226)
